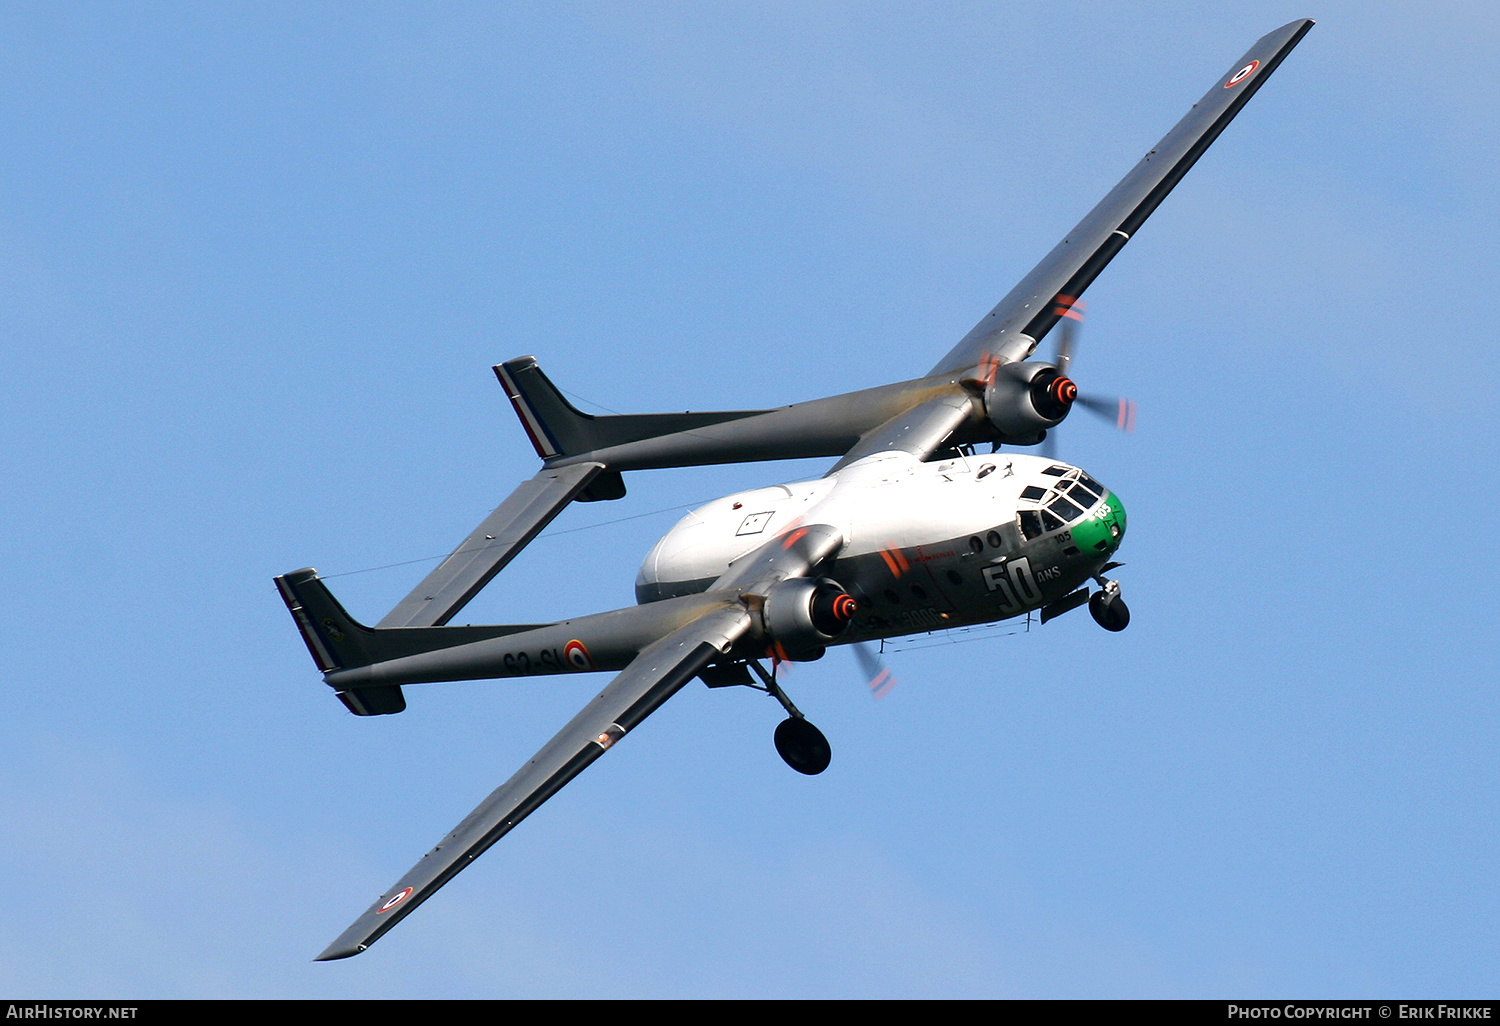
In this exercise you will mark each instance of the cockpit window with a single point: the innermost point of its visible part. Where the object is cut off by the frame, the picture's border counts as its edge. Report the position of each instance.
(1051, 521)
(1083, 496)
(1065, 509)
(1091, 484)
(1031, 524)
(1033, 492)
(1056, 471)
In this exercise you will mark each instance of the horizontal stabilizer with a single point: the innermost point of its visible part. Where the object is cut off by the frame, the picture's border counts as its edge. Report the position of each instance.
(491, 545)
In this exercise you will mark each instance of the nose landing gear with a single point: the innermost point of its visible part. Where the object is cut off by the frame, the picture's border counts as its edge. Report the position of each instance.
(1108, 608)
(801, 745)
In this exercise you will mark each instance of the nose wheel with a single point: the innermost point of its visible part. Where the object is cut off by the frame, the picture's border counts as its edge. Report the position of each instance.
(800, 745)
(1108, 608)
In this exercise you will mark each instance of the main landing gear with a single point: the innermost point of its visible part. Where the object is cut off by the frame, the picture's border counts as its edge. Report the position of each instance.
(799, 743)
(1107, 607)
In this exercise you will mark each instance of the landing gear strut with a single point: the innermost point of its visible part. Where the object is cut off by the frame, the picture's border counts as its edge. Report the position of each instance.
(1108, 608)
(801, 745)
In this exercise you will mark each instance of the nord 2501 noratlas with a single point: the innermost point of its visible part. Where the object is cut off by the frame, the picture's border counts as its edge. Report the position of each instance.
(913, 529)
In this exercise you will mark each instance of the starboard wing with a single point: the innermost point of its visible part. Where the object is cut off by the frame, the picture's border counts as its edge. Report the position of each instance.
(655, 675)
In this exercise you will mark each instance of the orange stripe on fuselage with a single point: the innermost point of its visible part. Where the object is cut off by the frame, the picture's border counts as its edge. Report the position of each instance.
(895, 561)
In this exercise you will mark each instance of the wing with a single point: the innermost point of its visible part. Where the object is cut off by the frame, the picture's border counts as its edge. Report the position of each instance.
(921, 430)
(1012, 330)
(654, 676)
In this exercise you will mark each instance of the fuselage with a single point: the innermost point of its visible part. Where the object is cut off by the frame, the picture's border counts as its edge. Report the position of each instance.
(928, 546)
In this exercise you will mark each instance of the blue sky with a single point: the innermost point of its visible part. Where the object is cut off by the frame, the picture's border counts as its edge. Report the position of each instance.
(256, 261)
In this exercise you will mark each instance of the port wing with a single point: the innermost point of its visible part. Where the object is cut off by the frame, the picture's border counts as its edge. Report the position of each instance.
(1012, 329)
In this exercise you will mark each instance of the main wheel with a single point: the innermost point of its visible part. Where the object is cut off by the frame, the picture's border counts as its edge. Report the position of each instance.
(803, 746)
(1109, 610)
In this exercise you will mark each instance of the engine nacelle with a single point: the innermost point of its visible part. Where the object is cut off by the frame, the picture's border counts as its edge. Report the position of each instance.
(801, 616)
(1025, 399)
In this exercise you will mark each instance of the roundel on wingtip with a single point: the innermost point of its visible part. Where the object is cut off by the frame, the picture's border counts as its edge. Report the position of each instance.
(394, 900)
(1241, 75)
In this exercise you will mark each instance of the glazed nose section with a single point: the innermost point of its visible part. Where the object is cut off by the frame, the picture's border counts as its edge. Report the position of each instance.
(1102, 532)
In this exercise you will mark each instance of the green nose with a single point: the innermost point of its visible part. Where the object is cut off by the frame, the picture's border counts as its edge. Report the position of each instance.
(1102, 531)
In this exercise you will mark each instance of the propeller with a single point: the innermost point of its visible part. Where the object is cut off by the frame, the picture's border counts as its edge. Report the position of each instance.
(1117, 409)
(1121, 411)
(879, 678)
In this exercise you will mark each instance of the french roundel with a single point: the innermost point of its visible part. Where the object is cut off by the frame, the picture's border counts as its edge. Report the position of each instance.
(394, 900)
(577, 656)
(1241, 75)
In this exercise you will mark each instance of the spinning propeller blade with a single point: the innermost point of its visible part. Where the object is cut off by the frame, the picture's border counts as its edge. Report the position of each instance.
(1066, 328)
(878, 678)
(1117, 409)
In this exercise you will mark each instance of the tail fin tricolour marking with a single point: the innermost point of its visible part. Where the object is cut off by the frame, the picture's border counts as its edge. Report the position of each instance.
(555, 426)
(526, 408)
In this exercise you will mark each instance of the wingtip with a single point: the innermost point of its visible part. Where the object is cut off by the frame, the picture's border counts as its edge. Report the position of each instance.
(335, 951)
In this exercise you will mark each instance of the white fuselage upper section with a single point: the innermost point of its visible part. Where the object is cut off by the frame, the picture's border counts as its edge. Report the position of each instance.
(889, 507)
